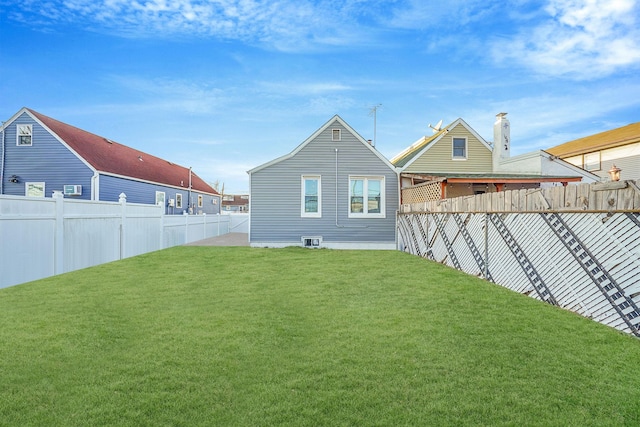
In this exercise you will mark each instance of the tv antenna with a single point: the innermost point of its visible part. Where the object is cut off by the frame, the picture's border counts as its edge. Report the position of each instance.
(374, 112)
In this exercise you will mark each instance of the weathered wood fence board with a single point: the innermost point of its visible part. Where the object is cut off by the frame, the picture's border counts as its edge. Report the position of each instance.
(610, 196)
(577, 247)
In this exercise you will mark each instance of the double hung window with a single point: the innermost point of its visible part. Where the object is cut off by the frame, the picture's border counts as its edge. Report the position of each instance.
(160, 198)
(24, 135)
(366, 197)
(459, 148)
(311, 197)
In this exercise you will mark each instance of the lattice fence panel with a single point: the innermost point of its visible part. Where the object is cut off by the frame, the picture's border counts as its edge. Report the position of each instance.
(586, 262)
(421, 193)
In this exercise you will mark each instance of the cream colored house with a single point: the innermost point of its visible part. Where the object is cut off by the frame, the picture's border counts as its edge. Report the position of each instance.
(600, 152)
(457, 161)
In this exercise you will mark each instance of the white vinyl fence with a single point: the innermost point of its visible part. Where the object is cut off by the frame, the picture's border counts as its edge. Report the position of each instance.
(41, 237)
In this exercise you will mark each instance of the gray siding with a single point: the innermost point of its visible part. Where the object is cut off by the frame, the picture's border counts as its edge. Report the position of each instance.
(276, 194)
(46, 160)
(143, 192)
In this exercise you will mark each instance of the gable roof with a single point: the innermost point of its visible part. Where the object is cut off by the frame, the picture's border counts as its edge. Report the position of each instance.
(334, 119)
(415, 150)
(110, 157)
(624, 135)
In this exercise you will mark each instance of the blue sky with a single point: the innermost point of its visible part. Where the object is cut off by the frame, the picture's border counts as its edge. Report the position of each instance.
(224, 86)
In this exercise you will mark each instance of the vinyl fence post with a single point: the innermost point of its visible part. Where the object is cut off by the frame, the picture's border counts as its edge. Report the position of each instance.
(58, 250)
(162, 214)
(186, 227)
(486, 245)
(204, 225)
(123, 218)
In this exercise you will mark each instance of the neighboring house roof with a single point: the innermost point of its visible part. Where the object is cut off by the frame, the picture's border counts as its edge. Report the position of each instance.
(423, 162)
(315, 134)
(238, 200)
(107, 156)
(609, 139)
(415, 150)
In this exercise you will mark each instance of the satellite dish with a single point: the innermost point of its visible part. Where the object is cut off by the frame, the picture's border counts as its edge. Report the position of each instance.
(437, 128)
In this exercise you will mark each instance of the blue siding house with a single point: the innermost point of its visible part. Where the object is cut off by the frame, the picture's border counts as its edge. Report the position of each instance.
(334, 190)
(40, 155)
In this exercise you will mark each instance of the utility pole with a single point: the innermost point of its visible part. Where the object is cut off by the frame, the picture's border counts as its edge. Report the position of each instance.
(374, 112)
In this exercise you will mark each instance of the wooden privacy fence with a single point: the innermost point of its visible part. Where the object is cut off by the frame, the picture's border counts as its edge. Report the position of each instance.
(41, 237)
(580, 252)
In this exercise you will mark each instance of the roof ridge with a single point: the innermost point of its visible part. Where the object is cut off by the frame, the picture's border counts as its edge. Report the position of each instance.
(111, 157)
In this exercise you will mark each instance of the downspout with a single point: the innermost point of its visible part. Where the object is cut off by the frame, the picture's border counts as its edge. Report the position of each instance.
(190, 209)
(337, 225)
(95, 186)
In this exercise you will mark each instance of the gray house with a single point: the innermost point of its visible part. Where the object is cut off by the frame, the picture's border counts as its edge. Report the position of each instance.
(334, 190)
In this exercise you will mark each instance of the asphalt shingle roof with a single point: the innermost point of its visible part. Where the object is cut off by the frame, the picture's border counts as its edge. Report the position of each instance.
(111, 157)
(609, 139)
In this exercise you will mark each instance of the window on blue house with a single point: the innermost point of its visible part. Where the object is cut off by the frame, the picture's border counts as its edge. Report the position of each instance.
(24, 135)
(200, 199)
(178, 201)
(160, 198)
(366, 197)
(311, 197)
(34, 189)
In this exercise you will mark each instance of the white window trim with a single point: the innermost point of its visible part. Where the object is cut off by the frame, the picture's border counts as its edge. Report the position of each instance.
(178, 200)
(200, 200)
(26, 188)
(599, 162)
(302, 196)
(160, 198)
(333, 134)
(466, 148)
(30, 127)
(365, 191)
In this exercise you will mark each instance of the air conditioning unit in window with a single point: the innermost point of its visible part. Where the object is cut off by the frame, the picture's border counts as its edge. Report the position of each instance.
(72, 190)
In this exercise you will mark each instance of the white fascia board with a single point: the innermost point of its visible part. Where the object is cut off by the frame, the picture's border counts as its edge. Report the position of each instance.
(295, 150)
(315, 135)
(573, 168)
(424, 150)
(473, 132)
(61, 141)
(272, 162)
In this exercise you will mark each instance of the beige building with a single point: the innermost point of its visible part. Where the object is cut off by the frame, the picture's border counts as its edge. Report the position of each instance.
(600, 152)
(457, 161)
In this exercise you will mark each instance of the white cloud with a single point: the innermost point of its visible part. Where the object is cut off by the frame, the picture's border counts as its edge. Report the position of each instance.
(547, 119)
(287, 25)
(580, 39)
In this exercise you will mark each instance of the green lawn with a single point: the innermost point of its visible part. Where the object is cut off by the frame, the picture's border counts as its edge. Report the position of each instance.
(258, 337)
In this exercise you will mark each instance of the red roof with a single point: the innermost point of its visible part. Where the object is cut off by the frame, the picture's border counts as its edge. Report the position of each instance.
(108, 156)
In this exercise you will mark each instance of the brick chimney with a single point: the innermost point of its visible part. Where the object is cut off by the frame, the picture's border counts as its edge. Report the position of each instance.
(501, 140)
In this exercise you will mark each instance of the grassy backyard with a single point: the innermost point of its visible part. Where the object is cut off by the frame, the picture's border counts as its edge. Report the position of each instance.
(259, 337)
